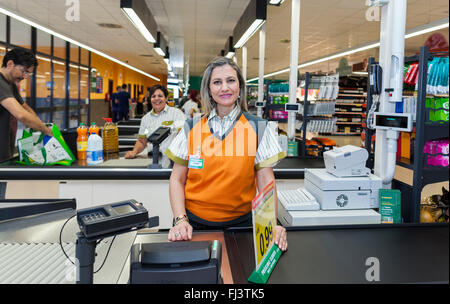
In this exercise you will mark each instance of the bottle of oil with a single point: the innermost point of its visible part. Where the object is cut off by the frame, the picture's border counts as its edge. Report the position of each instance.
(110, 140)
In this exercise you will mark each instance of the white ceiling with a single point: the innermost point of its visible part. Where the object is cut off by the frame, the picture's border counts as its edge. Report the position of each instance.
(326, 27)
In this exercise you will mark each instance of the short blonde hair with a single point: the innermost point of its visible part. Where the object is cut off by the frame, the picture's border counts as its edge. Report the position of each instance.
(207, 102)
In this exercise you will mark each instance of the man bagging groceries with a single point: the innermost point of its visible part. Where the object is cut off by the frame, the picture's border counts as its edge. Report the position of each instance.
(18, 64)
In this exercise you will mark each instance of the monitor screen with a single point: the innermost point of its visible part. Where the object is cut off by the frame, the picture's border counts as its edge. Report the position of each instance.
(123, 209)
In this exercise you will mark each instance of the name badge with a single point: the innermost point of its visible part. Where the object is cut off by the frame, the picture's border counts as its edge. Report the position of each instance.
(195, 162)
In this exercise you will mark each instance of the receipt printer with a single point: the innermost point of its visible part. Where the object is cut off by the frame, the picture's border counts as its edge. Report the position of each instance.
(176, 263)
(346, 161)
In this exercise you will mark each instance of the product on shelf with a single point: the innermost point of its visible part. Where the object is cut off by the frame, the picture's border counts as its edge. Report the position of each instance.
(438, 108)
(437, 80)
(437, 152)
(435, 208)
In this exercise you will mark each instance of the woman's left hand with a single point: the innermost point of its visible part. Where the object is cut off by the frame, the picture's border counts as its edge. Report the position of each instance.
(281, 238)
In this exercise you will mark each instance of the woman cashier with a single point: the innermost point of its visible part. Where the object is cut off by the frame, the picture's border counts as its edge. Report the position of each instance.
(221, 158)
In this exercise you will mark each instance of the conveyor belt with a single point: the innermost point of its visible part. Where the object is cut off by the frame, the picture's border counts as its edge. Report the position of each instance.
(38, 263)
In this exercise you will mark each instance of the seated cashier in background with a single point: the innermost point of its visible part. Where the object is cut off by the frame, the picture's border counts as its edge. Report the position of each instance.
(221, 159)
(160, 115)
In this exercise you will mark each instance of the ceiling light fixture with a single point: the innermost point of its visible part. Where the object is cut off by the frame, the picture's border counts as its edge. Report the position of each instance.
(160, 45)
(167, 56)
(420, 30)
(139, 15)
(251, 20)
(276, 2)
(229, 49)
(44, 29)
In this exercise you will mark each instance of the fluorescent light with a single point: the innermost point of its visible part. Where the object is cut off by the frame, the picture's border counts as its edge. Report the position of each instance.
(44, 29)
(276, 2)
(230, 55)
(43, 58)
(249, 32)
(160, 51)
(360, 73)
(427, 30)
(420, 30)
(137, 22)
(58, 62)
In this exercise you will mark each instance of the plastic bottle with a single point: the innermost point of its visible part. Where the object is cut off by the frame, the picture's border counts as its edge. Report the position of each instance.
(95, 149)
(82, 142)
(110, 139)
(94, 129)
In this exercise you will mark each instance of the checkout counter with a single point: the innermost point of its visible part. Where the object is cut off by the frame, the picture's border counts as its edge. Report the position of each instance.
(120, 179)
(30, 252)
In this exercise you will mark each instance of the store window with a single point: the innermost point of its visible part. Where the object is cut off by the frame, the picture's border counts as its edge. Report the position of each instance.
(84, 57)
(44, 43)
(2, 27)
(59, 92)
(43, 88)
(73, 92)
(74, 55)
(84, 94)
(59, 48)
(20, 34)
(2, 53)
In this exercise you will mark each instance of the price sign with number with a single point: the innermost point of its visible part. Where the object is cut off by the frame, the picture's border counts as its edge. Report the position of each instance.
(264, 222)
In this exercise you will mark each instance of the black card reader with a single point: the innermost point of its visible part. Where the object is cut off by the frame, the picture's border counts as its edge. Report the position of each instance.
(116, 217)
(157, 137)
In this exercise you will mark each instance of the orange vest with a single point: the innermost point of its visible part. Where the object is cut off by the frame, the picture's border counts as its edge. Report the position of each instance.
(223, 190)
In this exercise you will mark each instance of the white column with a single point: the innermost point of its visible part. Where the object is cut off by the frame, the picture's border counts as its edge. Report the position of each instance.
(244, 62)
(262, 46)
(392, 43)
(295, 30)
(244, 66)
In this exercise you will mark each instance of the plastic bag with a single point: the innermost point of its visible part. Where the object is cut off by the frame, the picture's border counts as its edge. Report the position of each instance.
(35, 148)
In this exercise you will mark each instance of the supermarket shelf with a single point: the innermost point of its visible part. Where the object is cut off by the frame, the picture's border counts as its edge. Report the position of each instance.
(346, 134)
(347, 123)
(352, 95)
(349, 104)
(350, 113)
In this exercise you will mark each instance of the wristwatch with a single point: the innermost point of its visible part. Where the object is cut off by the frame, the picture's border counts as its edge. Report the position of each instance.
(181, 218)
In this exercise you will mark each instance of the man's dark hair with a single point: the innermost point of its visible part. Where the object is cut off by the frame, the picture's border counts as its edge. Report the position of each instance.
(159, 87)
(124, 86)
(21, 57)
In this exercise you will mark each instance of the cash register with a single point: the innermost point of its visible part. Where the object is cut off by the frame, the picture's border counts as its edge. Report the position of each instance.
(345, 190)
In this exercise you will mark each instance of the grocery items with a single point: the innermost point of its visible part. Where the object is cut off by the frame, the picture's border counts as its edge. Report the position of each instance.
(437, 152)
(94, 153)
(435, 208)
(390, 206)
(94, 129)
(110, 138)
(82, 142)
(33, 149)
(437, 108)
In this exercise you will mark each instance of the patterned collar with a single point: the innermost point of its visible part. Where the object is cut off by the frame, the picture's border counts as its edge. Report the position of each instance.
(166, 108)
(230, 116)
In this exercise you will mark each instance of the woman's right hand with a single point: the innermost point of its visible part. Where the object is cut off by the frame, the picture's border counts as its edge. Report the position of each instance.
(130, 154)
(181, 232)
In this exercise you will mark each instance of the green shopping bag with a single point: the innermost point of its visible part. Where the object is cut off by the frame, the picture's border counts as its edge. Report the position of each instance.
(33, 151)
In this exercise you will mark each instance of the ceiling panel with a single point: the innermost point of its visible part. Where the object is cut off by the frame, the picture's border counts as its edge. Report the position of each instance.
(326, 27)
